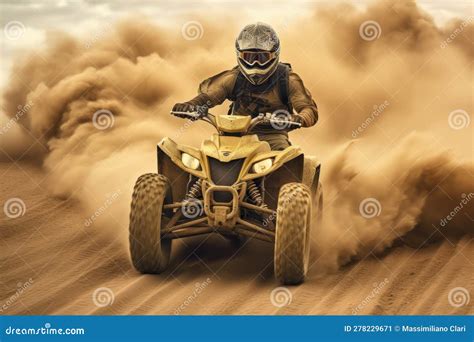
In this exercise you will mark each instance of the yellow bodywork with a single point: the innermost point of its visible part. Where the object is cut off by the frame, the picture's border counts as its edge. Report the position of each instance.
(226, 148)
(233, 123)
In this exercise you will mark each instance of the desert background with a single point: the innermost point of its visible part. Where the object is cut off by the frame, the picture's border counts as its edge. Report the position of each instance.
(86, 91)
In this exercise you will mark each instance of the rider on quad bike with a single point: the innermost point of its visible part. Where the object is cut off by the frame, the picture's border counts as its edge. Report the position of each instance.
(259, 84)
(246, 180)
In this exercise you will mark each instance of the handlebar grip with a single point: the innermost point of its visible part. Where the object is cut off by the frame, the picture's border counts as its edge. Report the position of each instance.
(285, 124)
(200, 112)
(296, 124)
(193, 115)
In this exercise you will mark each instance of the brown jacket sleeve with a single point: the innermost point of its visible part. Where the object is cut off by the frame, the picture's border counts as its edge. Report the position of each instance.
(302, 100)
(214, 90)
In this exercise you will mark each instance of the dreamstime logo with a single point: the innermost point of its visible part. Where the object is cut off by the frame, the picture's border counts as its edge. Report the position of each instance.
(22, 110)
(271, 218)
(459, 296)
(192, 30)
(21, 287)
(378, 109)
(188, 123)
(110, 199)
(280, 119)
(14, 30)
(370, 30)
(103, 296)
(99, 33)
(457, 31)
(14, 207)
(198, 289)
(459, 119)
(46, 330)
(377, 287)
(465, 199)
(281, 297)
(370, 207)
(103, 119)
(192, 208)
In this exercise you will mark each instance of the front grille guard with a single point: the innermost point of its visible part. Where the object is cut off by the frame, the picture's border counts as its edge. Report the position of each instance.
(209, 216)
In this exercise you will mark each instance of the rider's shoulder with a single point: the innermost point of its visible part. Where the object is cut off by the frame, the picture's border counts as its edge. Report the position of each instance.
(294, 78)
(225, 79)
(227, 76)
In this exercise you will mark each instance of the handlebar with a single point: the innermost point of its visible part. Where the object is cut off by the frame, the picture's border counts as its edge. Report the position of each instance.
(275, 121)
(191, 115)
(278, 122)
(199, 113)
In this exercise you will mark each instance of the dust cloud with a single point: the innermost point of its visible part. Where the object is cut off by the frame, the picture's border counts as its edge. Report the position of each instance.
(97, 106)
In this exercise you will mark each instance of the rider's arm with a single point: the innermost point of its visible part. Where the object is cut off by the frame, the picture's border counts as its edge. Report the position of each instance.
(214, 90)
(302, 100)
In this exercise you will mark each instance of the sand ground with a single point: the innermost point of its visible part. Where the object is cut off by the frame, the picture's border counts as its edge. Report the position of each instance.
(64, 262)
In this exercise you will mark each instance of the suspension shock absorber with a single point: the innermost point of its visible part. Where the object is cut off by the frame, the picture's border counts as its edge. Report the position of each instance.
(255, 194)
(194, 191)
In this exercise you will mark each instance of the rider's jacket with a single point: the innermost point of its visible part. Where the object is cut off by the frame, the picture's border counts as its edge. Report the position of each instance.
(269, 97)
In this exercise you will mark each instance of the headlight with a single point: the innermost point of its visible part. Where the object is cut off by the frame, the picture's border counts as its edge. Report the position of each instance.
(189, 161)
(262, 166)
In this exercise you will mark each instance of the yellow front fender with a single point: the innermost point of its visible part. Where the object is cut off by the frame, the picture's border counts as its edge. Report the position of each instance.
(174, 151)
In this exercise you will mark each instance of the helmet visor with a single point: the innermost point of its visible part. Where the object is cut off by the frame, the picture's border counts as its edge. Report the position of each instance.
(257, 57)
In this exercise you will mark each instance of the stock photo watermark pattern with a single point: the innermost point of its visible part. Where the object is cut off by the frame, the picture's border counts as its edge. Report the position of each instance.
(102, 30)
(21, 288)
(22, 110)
(14, 30)
(377, 288)
(199, 287)
(459, 119)
(457, 31)
(377, 102)
(377, 110)
(370, 30)
(14, 208)
(110, 199)
(103, 296)
(281, 296)
(192, 30)
(370, 207)
(192, 208)
(459, 297)
(103, 119)
(280, 119)
(465, 199)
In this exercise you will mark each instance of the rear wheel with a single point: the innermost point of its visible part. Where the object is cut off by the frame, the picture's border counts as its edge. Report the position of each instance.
(292, 236)
(150, 253)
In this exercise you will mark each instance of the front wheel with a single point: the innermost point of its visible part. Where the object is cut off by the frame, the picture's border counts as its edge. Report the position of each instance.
(292, 236)
(150, 253)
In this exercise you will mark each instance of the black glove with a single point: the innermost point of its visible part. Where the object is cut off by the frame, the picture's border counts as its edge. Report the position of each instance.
(298, 118)
(183, 107)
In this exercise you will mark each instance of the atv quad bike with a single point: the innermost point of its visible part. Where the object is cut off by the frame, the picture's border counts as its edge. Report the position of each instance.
(235, 185)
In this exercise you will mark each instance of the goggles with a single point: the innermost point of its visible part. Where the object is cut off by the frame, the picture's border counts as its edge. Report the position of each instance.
(257, 57)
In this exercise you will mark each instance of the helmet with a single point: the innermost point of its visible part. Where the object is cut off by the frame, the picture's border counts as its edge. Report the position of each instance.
(258, 51)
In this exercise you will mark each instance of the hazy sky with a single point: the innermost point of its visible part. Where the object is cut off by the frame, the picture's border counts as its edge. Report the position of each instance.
(82, 17)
